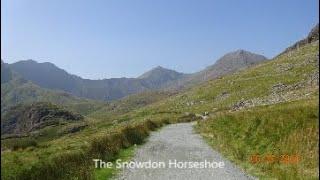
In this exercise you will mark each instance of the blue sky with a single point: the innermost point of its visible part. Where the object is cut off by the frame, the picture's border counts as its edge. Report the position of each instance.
(123, 38)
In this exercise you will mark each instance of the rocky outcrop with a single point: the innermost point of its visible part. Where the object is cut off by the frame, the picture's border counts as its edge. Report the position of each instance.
(281, 92)
(23, 119)
(312, 37)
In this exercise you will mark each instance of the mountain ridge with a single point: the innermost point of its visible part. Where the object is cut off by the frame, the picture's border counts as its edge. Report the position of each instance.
(50, 76)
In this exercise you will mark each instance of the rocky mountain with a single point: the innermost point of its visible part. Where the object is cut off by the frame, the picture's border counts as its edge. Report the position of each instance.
(160, 77)
(229, 63)
(159, 73)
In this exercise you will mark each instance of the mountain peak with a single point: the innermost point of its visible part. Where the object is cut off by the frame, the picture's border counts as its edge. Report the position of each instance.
(231, 62)
(241, 51)
(160, 75)
(241, 55)
(159, 67)
(157, 71)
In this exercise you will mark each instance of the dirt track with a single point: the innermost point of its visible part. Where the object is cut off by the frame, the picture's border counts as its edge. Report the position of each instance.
(179, 142)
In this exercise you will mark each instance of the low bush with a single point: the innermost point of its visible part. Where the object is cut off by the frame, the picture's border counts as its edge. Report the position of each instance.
(22, 143)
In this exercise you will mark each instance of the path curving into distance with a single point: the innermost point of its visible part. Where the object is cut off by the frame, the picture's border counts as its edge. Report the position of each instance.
(179, 142)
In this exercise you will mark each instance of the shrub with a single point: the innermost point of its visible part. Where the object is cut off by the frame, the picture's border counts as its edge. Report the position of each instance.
(23, 143)
(136, 134)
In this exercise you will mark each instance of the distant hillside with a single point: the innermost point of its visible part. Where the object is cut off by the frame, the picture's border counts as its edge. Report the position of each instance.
(131, 103)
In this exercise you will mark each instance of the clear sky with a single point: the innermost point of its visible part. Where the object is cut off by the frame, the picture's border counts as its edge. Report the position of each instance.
(123, 38)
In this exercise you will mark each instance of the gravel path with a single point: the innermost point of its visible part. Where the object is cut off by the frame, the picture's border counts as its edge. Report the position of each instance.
(179, 142)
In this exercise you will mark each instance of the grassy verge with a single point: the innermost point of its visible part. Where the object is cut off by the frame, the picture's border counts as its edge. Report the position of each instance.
(278, 141)
(108, 173)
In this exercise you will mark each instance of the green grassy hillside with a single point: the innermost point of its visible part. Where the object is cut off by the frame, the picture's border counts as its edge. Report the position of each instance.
(276, 135)
(130, 103)
(289, 77)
